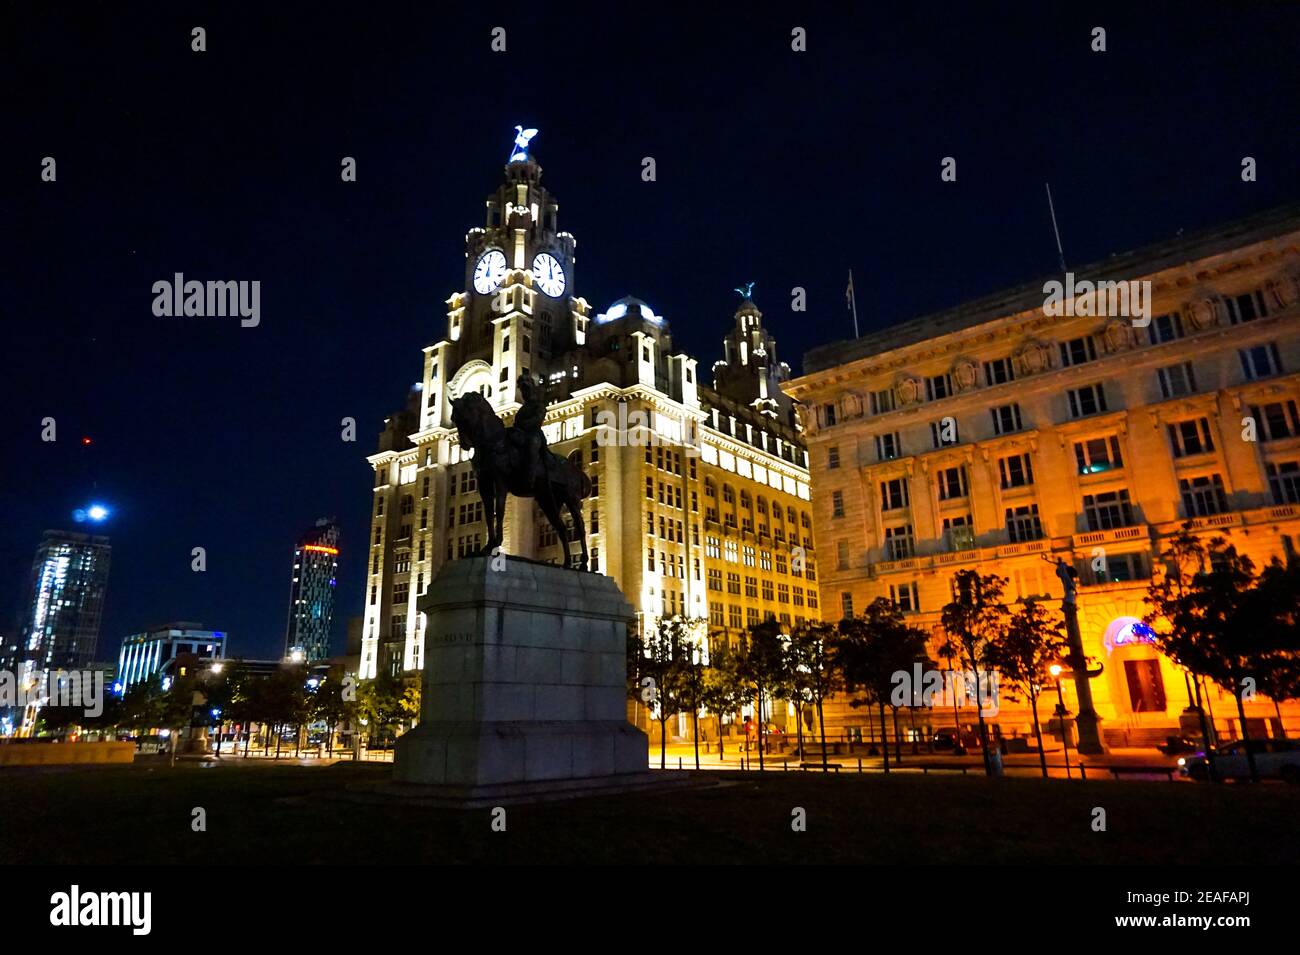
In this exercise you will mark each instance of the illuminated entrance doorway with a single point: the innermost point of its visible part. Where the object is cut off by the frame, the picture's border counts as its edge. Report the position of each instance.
(1136, 665)
(1146, 691)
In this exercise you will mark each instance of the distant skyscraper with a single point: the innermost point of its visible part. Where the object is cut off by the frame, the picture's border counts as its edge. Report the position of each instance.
(311, 596)
(60, 627)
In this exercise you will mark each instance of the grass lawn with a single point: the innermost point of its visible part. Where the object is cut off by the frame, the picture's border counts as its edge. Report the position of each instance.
(269, 814)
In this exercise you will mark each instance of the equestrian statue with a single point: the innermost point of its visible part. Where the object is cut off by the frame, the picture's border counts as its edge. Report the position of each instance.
(516, 461)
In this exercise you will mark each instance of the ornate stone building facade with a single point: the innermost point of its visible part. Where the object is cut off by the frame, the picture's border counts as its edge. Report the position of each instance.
(995, 433)
(700, 502)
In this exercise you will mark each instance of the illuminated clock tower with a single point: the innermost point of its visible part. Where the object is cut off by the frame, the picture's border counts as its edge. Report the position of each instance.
(518, 311)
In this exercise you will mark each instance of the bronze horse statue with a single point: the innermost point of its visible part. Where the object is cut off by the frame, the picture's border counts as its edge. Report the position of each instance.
(500, 469)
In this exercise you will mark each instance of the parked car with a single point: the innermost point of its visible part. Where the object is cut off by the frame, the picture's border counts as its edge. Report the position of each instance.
(947, 739)
(1174, 745)
(1274, 759)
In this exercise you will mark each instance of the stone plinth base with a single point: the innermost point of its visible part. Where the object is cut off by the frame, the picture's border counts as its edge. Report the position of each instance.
(524, 683)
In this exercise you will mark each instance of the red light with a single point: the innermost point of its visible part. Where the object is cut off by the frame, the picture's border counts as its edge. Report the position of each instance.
(85, 442)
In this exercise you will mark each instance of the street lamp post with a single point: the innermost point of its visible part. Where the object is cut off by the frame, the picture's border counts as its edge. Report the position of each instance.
(1055, 669)
(1088, 722)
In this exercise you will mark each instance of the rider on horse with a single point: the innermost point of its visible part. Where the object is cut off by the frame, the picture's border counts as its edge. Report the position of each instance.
(528, 423)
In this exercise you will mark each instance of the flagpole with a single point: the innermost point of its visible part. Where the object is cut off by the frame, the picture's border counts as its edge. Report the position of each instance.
(1059, 251)
(853, 301)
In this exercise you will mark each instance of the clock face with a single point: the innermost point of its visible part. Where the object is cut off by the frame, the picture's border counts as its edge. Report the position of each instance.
(489, 271)
(549, 274)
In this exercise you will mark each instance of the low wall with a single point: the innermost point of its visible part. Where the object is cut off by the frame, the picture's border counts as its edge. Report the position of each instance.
(62, 754)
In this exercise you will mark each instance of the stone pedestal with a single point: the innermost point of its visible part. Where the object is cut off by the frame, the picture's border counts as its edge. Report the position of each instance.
(524, 686)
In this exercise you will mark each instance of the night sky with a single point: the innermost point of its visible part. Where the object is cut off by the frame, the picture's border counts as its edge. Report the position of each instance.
(782, 168)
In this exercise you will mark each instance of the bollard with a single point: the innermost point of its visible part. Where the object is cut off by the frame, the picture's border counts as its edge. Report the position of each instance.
(1083, 771)
(859, 764)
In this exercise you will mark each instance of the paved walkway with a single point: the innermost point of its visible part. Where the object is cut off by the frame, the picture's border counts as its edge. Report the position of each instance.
(1017, 764)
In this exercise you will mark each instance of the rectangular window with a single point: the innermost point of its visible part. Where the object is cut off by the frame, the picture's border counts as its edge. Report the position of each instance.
(1120, 567)
(1246, 307)
(952, 483)
(846, 604)
(904, 597)
(999, 371)
(888, 446)
(1006, 418)
(1098, 454)
(960, 530)
(842, 555)
(1023, 523)
(733, 584)
(1284, 481)
(734, 617)
(899, 543)
(837, 504)
(1016, 471)
(1087, 400)
(1262, 361)
(1276, 421)
(1165, 328)
(1203, 496)
(828, 415)
(882, 401)
(1107, 511)
(944, 432)
(832, 457)
(1078, 350)
(1191, 437)
(715, 579)
(1177, 380)
(893, 494)
(937, 387)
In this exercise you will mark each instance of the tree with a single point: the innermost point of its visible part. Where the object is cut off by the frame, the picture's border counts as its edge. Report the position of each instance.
(154, 705)
(763, 668)
(1032, 641)
(690, 686)
(1275, 616)
(288, 702)
(872, 651)
(814, 674)
(332, 708)
(1220, 620)
(218, 688)
(1174, 624)
(657, 663)
(974, 620)
(379, 704)
(724, 689)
